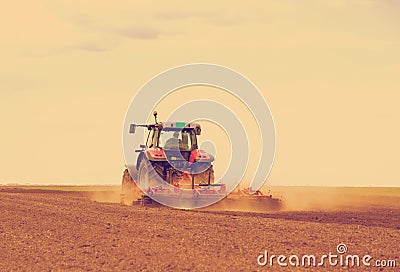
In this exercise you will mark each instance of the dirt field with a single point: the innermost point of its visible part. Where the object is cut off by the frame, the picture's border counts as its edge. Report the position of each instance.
(43, 230)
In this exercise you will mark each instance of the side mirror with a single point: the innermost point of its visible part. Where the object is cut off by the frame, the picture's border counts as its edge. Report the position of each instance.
(197, 131)
(132, 128)
(142, 148)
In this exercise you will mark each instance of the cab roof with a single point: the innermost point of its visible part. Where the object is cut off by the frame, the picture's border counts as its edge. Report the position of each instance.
(176, 125)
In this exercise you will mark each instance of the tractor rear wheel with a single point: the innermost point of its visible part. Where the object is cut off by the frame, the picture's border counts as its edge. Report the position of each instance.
(128, 189)
(144, 175)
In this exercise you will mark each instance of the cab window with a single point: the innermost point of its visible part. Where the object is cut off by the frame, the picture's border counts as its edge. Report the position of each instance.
(150, 138)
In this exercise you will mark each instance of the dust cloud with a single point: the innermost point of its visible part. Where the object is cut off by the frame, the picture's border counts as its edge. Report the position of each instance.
(303, 198)
(111, 196)
(286, 198)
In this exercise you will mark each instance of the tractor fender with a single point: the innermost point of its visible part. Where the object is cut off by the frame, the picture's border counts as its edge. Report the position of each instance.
(198, 155)
(152, 155)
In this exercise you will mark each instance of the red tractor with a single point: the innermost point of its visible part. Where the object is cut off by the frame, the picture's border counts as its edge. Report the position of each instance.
(170, 157)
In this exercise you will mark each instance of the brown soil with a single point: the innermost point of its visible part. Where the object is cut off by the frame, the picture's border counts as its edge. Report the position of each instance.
(53, 230)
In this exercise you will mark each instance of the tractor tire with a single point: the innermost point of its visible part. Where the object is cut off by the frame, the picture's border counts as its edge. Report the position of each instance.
(147, 176)
(127, 192)
(130, 193)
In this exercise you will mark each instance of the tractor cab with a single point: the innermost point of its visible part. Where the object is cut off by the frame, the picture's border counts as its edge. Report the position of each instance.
(172, 137)
(171, 150)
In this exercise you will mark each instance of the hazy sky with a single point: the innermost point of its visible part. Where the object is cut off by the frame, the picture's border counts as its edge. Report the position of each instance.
(329, 71)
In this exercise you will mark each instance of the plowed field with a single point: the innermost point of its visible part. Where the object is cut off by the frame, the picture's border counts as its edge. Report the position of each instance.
(52, 230)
